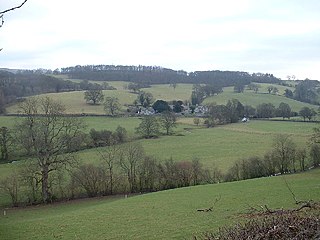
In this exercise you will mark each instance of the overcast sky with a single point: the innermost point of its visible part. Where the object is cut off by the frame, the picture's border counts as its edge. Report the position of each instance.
(269, 36)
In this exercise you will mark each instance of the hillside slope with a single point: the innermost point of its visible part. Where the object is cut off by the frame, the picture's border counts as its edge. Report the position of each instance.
(170, 214)
(254, 99)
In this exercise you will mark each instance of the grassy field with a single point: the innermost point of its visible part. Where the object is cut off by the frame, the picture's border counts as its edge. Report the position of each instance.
(219, 146)
(75, 102)
(254, 99)
(264, 88)
(165, 92)
(170, 214)
(214, 147)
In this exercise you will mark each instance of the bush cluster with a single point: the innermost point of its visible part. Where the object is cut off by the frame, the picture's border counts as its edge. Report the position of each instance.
(287, 226)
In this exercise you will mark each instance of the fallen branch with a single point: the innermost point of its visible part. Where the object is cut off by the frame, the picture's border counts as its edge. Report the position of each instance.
(210, 208)
(265, 210)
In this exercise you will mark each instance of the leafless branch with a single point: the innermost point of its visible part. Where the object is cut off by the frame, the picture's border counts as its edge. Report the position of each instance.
(14, 8)
(8, 10)
(210, 208)
(292, 193)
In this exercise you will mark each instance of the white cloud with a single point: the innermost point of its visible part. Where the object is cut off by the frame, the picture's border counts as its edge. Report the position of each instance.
(251, 35)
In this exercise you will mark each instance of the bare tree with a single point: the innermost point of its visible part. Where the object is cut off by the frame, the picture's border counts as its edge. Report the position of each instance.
(284, 152)
(168, 121)
(149, 127)
(47, 133)
(112, 105)
(130, 159)
(6, 141)
(10, 185)
(196, 171)
(110, 156)
(90, 177)
(196, 121)
(301, 156)
(94, 95)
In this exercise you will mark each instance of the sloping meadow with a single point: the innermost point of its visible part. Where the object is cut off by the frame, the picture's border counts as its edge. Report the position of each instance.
(170, 214)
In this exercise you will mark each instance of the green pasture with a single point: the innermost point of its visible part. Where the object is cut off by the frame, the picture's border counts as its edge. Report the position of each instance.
(7, 121)
(219, 146)
(75, 103)
(264, 88)
(110, 123)
(119, 85)
(254, 99)
(222, 146)
(170, 214)
(165, 92)
(107, 123)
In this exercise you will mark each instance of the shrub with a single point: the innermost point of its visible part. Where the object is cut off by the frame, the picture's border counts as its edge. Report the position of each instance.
(285, 226)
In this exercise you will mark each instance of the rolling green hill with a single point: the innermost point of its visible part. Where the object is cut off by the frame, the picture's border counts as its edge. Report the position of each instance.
(219, 146)
(254, 99)
(75, 102)
(170, 214)
(165, 92)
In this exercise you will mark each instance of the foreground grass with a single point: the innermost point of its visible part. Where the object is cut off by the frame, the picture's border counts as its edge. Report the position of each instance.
(168, 214)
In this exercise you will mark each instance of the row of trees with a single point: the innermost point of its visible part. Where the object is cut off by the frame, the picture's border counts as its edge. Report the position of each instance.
(14, 86)
(200, 92)
(50, 137)
(284, 157)
(307, 91)
(160, 75)
(235, 110)
(111, 105)
(150, 125)
(121, 169)
(127, 169)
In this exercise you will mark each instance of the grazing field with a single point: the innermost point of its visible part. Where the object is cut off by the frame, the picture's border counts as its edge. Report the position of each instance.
(165, 92)
(170, 214)
(254, 99)
(214, 147)
(75, 103)
(221, 146)
(264, 88)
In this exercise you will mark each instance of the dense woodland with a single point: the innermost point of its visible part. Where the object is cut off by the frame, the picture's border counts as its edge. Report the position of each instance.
(159, 75)
(14, 86)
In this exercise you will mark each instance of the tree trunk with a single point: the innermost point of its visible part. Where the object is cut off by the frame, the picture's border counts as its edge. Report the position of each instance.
(111, 181)
(44, 183)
